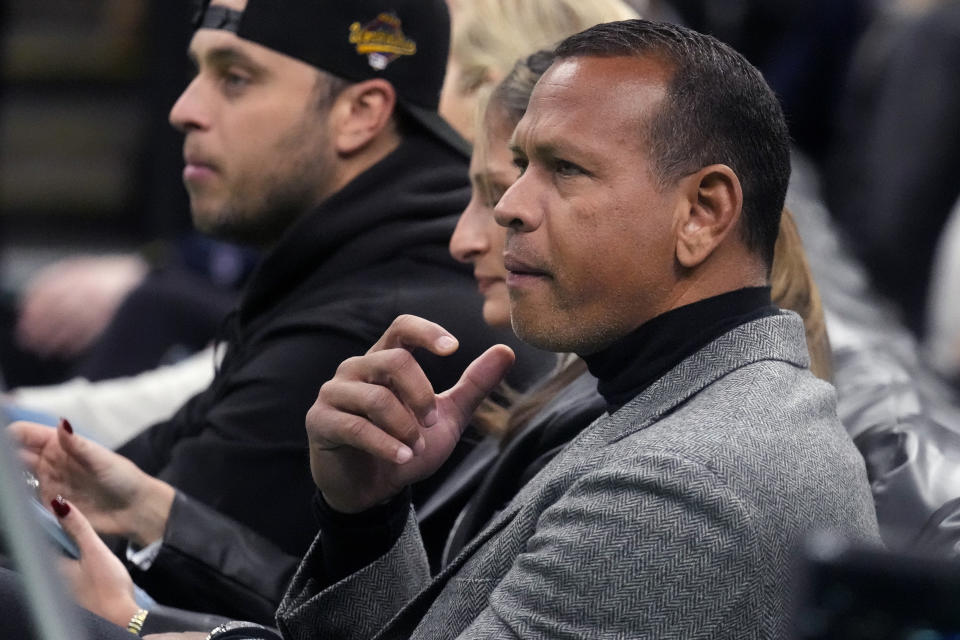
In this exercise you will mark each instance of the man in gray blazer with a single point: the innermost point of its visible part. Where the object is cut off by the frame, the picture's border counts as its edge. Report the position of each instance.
(640, 235)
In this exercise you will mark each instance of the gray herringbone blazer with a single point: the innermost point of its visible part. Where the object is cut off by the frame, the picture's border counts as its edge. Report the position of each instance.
(675, 517)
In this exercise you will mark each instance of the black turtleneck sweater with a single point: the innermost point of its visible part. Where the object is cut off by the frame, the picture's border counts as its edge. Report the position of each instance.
(623, 370)
(637, 360)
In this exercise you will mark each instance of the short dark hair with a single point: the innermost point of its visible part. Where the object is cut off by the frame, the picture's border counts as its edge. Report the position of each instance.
(718, 110)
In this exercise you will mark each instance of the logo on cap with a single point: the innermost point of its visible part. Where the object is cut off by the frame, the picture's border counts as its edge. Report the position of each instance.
(381, 40)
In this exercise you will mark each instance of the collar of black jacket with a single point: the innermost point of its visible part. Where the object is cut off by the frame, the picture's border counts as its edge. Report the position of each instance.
(407, 203)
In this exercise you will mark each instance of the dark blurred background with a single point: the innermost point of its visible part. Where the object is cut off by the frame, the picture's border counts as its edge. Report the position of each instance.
(87, 158)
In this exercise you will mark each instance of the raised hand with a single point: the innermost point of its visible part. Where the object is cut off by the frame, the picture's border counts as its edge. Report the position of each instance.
(378, 426)
(115, 494)
(98, 581)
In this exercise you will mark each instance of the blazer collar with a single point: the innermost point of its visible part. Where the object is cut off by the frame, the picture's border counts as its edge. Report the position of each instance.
(777, 337)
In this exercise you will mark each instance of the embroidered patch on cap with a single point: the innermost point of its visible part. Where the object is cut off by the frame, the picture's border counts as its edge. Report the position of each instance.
(381, 40)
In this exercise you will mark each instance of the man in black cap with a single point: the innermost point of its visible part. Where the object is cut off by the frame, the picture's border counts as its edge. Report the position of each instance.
(310, 128)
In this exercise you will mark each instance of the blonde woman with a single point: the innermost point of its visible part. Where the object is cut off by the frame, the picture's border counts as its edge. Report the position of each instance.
(489, 36)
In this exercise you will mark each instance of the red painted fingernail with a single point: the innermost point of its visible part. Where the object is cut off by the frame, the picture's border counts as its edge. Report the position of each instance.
(66, 425)
(60, 507)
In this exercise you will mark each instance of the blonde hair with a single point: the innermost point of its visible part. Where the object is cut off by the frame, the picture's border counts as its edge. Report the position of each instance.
(489, 36)
(792, 287)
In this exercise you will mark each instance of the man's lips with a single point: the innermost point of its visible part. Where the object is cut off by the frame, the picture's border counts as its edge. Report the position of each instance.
(197, 166)
(196, 169)
(520, 272)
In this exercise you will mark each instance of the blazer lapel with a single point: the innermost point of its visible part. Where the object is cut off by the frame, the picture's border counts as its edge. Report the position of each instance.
(407, 619)
(468, 474)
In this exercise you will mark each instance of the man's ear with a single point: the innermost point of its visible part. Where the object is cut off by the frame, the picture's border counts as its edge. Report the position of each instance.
(361, 112)
(712, 207)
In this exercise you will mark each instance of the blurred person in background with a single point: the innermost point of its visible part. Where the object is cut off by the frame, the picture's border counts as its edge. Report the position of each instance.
(892, 182)
(802, 47)
(943, 305)
(75, 315)
(93, 318)
(888, 188)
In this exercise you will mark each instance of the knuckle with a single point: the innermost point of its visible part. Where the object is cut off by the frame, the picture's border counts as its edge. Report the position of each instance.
(397, 359)
(355, 429)
(404, 320)
(326, 390)
(377, 399)
(348, 365)
(318, 420)
(407, 325)
(313, 415)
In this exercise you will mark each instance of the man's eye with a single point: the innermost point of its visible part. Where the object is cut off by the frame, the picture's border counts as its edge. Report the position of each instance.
(521, 164)
(234, 82)
(565, 168)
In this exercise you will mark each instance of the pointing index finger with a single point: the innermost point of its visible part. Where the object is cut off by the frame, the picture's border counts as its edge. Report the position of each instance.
(410, 332)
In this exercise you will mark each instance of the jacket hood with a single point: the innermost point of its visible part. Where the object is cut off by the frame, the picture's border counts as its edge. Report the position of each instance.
(408, 203)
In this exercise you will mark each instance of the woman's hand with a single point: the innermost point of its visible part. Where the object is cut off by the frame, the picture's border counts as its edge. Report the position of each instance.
(116, 495)
(98, 581)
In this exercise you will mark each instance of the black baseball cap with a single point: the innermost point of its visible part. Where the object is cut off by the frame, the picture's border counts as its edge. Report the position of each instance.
(403, 41)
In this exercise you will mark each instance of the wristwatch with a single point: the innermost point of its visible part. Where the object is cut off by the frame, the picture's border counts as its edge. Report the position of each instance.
(236, 630)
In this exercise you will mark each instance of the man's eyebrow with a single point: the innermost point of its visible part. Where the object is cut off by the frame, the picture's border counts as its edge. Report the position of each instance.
(226, 55)
(543, 150)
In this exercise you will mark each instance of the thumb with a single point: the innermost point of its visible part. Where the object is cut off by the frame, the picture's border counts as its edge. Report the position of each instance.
(479, 379)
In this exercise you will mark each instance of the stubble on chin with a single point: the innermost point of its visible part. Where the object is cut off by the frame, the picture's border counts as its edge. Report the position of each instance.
(553, 328)
(259, 218)
(537, 326)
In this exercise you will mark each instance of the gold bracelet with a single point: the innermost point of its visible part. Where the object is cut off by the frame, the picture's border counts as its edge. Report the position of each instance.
(136, 622)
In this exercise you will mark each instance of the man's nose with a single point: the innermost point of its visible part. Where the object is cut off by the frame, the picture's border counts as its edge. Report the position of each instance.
(518, 208)
(189, 112)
